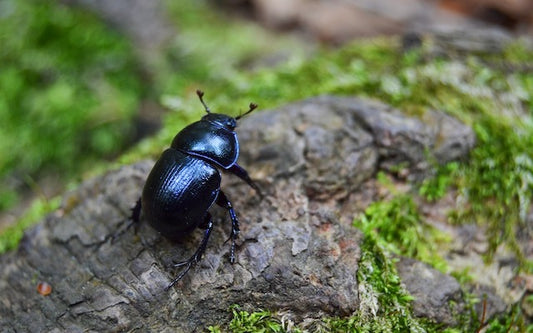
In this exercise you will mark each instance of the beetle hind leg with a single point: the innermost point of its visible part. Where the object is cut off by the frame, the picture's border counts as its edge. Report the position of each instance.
(196, 256)
(223, 202)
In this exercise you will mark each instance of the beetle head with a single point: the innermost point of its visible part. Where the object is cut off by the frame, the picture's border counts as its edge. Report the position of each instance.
(221, 120)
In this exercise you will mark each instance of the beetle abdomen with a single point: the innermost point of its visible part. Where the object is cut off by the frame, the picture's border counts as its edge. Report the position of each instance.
(178, 192)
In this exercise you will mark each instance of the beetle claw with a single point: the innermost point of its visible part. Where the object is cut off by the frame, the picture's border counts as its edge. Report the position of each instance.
(183, 263)
(189, 264)
(195, 257)
(233, 236)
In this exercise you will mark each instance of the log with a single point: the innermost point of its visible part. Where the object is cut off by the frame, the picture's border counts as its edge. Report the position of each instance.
(297, 250)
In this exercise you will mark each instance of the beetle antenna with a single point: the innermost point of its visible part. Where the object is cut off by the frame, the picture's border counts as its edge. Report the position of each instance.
(253, 106)
(201, 96)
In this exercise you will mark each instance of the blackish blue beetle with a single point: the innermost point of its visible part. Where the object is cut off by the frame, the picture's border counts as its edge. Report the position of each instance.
(185, 182)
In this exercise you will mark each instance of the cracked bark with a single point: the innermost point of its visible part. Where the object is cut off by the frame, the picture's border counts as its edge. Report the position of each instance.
(297, 250)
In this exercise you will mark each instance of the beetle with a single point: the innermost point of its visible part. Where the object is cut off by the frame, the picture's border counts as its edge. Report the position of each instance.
(185, 182)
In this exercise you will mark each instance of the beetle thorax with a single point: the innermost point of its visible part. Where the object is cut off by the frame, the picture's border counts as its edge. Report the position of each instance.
(213, 139)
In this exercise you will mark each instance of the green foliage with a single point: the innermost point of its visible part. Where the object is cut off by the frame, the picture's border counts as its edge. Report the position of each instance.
(260, 321)
(398, 227)
(204, 54)
(230, 89)
(497, 179)
(68, 91)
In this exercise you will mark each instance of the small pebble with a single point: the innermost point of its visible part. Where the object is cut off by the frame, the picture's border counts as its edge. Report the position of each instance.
(44, 288)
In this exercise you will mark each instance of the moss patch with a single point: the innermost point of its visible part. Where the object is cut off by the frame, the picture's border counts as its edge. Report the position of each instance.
(69, 89)
(257, 321)
(397, 226)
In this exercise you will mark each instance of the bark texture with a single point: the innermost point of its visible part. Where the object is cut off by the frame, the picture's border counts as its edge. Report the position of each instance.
(297, 250)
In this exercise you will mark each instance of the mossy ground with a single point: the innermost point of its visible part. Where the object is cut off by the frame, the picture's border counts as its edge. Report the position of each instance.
(484, 91)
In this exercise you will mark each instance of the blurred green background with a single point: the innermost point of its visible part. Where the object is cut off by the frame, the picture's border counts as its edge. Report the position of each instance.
(69, 92)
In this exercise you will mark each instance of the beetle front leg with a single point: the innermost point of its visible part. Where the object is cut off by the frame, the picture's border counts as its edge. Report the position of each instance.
(223, 202)
(239, 171)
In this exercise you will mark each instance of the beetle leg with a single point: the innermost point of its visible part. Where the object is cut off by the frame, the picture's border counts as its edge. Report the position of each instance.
(223, 202)
(135, 217)
(134, 221)
(205, 223)
(196, 256)
(239, 171)
(136, 211)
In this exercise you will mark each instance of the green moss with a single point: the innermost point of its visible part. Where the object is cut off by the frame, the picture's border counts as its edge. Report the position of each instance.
(499, 181)
(385, 305)
(69, 90)
(397, 226)
(258, 321)
(435, 187)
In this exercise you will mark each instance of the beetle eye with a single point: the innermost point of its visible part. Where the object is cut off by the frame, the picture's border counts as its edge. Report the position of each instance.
(230, 124)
